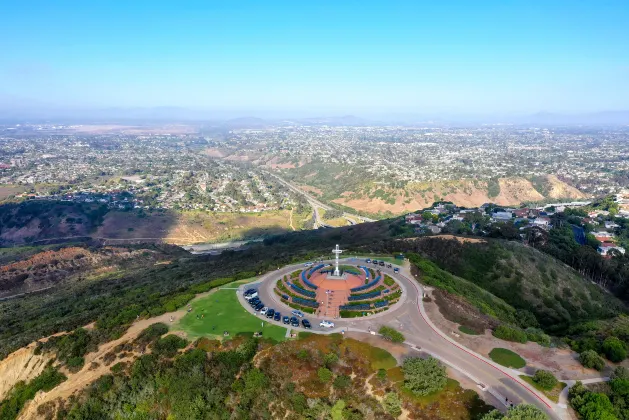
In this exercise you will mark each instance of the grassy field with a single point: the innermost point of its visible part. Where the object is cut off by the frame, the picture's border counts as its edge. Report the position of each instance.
(507, 358)
(223, 312)
(552, 395)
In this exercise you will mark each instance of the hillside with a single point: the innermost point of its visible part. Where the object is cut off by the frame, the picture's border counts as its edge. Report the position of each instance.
(42, 222)
(524, 278)
(348, 188)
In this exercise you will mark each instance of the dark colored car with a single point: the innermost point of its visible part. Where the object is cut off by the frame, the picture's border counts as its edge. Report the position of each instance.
(381, 263)
(277, 316)
(254, 302)
(396, 270)
(306, 323)
(286, 320)
(270, 313)
(259, 306)
(294, 322)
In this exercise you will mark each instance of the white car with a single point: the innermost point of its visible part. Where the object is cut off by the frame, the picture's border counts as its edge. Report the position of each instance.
(326, 324)
(264, 310)
(300, 314)
(308, 264)
(251, 296)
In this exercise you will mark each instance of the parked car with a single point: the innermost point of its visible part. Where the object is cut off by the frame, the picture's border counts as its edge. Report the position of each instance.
(326, 324)
(286, 320)
(368, 260)
(396, 270)
(264, 310)
(270, 313)
(300, 314)
(375, 262)
(308, 264)
(306, 323)
(381, 263)
(251, 295)
(259, 306)
(277, 316)
(294, 322)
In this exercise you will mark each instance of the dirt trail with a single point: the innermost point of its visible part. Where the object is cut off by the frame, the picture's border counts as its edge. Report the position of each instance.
(290, 220)
(84, 377)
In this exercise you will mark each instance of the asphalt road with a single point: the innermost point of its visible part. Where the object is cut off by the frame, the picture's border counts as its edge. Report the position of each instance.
(409, 317)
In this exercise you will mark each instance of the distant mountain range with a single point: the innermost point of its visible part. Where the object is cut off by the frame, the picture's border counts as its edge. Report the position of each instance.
(22, 112)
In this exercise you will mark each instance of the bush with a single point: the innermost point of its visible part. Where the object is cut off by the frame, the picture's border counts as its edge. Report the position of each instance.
(620, 372)
(169, 345)
(591, 359)
(342, 382)
(545, 379)
(614, 349)
(392, 404)
(324, 374)
(151, 333)
(391, 334)
(507, 333)
(424, 376)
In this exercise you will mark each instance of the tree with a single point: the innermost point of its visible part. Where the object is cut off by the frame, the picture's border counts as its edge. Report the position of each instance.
(525, 412)
(614, 349)
(545, 379)
(392, 404)
(424, 376)
(591, 359)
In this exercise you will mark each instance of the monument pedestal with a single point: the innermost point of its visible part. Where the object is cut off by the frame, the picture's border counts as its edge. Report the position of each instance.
(332, 276)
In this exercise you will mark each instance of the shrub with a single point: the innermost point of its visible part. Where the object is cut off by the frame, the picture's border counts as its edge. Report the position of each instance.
(169, 345)
(505, 332)
(424, 376)
(151, 333)
(391, 334)
(342, 382)
(620, 372)
(590, 359)
(392, 404)
(545, 379)
(324, 374)
(614, 349)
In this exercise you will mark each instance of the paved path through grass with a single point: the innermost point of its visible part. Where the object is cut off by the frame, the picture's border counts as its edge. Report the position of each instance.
(223, 312)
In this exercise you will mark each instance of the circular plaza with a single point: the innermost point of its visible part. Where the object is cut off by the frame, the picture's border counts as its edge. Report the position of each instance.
(355, 288)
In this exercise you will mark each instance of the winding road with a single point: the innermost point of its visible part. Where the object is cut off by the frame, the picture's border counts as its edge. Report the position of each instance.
(316, 204)
(409, 317)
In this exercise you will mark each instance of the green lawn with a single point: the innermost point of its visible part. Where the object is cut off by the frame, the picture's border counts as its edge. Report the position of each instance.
(507, 358)
(223, 312)
(237, 283)
(467, 330)
(552, 394)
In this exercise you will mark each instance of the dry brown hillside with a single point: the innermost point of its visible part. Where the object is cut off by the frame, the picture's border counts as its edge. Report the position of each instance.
(466, 192)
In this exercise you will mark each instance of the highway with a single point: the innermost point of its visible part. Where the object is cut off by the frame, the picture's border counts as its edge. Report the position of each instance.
(316, 204)
(409, 317)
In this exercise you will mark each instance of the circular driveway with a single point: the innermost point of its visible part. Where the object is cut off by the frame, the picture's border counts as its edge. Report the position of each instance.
(409, 317)
(266, 284)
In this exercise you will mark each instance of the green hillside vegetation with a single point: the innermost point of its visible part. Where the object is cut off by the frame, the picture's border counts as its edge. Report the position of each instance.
(311, 378)
(527, 279)
(486, 302)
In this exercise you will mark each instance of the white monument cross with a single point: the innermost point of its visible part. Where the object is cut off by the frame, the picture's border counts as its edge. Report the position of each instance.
(338, 252)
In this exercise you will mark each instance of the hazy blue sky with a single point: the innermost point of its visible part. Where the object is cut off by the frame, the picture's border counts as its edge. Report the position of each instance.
(415, 56)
